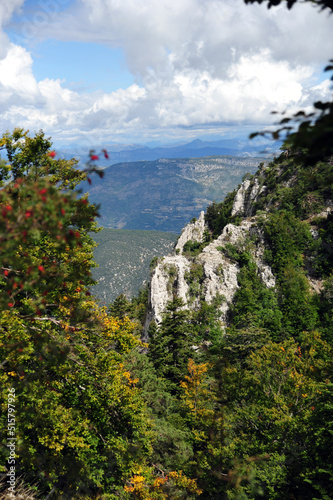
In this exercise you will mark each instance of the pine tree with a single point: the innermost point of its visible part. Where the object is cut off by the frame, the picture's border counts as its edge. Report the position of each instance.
(171, 345)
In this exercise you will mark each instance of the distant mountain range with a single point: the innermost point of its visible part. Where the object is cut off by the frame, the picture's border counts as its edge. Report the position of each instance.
(194, 149)
(119, 153)
(164, 194)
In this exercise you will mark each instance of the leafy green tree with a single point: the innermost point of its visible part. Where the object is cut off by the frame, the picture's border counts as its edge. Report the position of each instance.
(218, 215)
(172, 447)
(298, 304)
(273, 412)
(205, 323)
(135, 308)
(59, 352)
(33, 157)
(288, 240)
(46, 249)
(120, 307)
(204, 414)
(326, 309)
(255, 306)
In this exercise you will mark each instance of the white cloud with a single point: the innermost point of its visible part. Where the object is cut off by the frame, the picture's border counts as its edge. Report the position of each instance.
(16, 72)
(196, 64)
(205, 35)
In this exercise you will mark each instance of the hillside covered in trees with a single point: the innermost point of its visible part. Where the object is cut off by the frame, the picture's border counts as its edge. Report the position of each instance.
(214, 406)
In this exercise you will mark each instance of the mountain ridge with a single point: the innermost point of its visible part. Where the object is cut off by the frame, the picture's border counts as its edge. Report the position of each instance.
(119, 153)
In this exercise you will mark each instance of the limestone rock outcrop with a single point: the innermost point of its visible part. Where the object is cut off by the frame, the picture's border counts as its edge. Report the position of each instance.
(194, 231)
(210, 274)
(247, 194)
(203, 269)
(168, 278)
(240, 198)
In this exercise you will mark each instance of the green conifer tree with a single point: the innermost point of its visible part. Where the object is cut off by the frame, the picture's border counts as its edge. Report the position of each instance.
(171, 344)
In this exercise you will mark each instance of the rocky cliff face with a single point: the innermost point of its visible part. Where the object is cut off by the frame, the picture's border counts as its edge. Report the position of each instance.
(192, 232)
(209, 272)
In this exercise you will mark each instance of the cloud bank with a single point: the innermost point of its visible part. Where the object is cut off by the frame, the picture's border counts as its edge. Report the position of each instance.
(196, 66)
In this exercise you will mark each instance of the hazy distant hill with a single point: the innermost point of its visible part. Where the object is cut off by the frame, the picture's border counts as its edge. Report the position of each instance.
(164, 194)
(119, 153)
(124, 257)
(199, 149)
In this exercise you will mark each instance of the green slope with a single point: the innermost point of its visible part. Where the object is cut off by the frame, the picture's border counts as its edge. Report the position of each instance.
(124, 257)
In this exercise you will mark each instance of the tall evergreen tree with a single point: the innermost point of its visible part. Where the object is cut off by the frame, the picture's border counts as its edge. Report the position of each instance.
(171, 344)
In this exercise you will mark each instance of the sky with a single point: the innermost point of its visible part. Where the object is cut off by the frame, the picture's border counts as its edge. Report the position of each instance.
(136, 71)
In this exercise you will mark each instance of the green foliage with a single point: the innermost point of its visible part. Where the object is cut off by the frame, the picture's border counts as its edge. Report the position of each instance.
(170, 345)
(29, 157)
(298, 304)
(293, 186)
(204, 416)
(255, 306)
(288, 238)
(283, 385)
(135, 308)
(172, 448)
(242, 257)
(194, 278)
(326, 309)
(76, 441)
(218, 215)
(46, 252)
(323, 255)
(192, 248)
(206, 325)
(120, 307)
(61, 354)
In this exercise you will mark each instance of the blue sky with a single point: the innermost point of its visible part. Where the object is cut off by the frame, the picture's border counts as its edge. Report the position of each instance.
(87, 67)
(101, 71)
